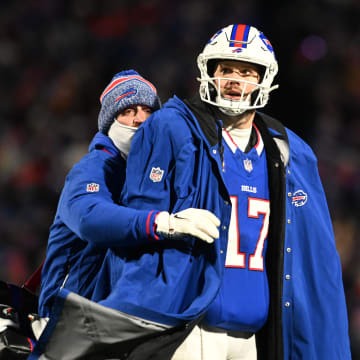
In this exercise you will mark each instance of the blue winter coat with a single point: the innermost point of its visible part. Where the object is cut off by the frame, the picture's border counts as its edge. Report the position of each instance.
(172, 166)
(88, 221)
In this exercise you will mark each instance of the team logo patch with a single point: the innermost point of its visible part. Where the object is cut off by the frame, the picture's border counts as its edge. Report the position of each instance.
(248, 165)
(156, 174)
(93, 187)
(299, 198)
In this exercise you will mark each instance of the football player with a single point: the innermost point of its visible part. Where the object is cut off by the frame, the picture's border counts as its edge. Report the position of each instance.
(274, 273)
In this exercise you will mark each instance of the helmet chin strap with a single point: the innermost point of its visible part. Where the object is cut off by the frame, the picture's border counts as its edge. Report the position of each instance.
(231, 112)
(225, 105)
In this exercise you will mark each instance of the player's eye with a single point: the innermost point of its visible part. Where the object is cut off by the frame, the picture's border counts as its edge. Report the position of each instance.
(147, 109)
(128, 112)
(248, 72)
(226, 70)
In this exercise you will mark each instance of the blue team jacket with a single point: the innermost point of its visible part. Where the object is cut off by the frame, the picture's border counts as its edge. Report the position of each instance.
(172, 166)
(88, 221)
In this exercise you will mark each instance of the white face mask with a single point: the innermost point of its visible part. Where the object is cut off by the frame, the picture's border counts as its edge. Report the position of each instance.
(121, 135)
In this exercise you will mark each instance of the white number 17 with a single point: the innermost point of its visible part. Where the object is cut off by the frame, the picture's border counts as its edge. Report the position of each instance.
(235, 258)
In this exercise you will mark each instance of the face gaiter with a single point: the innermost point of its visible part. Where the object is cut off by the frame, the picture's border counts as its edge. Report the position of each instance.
(121, 135)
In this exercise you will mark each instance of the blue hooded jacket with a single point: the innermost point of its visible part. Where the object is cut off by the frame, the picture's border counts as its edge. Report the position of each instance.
(88, 221)
(173, 166)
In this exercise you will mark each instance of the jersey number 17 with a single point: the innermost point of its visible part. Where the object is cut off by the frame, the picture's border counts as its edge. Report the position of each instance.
(234, 257)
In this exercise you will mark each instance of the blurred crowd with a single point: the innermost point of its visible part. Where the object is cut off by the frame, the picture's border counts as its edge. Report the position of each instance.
(56, 57)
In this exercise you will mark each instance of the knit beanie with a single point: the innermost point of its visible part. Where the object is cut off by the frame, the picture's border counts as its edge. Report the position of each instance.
(127, 88)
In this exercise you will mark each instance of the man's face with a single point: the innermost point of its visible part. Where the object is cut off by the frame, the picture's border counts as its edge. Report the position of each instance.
(134, 115)
(236, 71)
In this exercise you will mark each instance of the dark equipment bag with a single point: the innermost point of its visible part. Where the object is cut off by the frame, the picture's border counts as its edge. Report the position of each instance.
(18, 307)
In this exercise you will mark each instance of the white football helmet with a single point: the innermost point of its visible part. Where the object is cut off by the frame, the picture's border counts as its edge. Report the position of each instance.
(241, 43)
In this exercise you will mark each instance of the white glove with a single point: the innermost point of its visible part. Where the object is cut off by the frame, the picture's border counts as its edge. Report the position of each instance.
(196, 222)
(38, 324)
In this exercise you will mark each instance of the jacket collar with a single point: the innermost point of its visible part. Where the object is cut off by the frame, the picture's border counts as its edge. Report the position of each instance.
(103, 142)
(206, 118)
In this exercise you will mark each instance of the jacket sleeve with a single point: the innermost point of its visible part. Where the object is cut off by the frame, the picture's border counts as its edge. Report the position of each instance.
(87, 207)
(160, 166)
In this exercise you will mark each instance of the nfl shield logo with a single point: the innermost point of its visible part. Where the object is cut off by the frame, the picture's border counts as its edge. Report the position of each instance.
(93, 187)
(156, 174)
(248, 165)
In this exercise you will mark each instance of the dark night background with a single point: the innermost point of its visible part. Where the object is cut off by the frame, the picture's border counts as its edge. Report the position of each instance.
(56, 57)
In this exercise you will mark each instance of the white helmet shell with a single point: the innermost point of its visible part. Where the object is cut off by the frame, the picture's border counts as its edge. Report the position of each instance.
(240, 43)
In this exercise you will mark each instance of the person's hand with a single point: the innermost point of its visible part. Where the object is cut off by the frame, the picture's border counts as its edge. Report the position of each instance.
(196, 222)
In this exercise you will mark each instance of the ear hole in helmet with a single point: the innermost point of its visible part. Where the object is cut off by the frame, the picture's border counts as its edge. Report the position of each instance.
(261, 70)
(212, 91)
(211, 66)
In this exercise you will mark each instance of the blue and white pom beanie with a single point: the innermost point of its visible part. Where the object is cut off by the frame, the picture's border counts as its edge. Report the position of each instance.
(126, 88)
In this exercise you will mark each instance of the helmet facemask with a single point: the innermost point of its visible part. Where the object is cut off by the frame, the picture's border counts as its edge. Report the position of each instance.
(210, 92)
(256, 50)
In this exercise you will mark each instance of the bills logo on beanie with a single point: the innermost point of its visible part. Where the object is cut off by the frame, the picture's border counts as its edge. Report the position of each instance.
(127, 88)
